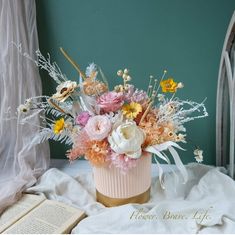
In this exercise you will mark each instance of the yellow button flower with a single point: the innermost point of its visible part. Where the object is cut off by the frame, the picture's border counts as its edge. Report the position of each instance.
(169, 85)
(131, 110)
(59, 126)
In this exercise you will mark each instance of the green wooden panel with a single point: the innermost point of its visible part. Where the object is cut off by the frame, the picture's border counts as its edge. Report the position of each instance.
(183, 36)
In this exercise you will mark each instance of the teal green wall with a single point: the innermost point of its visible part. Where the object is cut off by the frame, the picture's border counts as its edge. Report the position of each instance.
(146, 36)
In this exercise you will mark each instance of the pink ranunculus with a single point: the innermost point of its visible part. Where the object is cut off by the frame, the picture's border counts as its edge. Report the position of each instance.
(82, 118)
(98, 127)
(110, 101)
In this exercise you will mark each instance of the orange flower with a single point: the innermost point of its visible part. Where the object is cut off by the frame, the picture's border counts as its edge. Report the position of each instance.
(151, 129)
(94, 87)
(169, 85)
(156, 133)
(97, 152)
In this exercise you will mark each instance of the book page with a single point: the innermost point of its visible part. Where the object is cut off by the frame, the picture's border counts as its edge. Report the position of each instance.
(49, 217)
(19, 209)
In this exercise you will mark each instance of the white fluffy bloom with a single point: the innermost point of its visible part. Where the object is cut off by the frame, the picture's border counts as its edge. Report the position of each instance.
(91, 70)
(127, 139)
(180, 85)
(198, 155)
(23, 108)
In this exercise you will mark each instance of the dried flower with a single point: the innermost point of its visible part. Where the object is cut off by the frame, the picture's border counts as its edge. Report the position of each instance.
(119, 73)
(97, 152)
(94, 87)
(160, 97)
(139, 96)
(80, 146)
(180, 85)
(119, 88)
(74, 153)
(98, 127)
(180, 138)
(122, 162)
(91, 71)
(82, 118)
(131, 110)
(59, 126)
(198, 155)
(151, 129)
(112, 128)
(110, 101)
(126, 71)
(64, 90)
(169, 85)
(135, 95)
(23, 108)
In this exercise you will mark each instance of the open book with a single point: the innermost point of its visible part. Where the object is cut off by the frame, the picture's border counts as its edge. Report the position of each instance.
(36, 214)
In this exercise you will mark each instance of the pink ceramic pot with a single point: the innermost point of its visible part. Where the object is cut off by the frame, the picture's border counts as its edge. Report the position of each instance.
(114, 188)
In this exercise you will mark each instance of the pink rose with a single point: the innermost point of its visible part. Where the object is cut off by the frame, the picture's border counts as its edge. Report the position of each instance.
(110, 101)
(98, 127)
(82, 118)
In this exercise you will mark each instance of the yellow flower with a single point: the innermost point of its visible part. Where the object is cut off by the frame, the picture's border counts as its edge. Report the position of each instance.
(169, 85)
(131, 110)
(59, 126)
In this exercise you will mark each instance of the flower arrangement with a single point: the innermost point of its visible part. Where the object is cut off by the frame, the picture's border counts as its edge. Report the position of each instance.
(112, 127)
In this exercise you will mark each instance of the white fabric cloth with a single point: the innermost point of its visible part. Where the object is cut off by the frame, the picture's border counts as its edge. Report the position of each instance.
(207, 189)
(19, 79)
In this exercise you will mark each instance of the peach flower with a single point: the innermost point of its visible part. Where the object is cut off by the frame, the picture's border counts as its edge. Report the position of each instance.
(97, 152)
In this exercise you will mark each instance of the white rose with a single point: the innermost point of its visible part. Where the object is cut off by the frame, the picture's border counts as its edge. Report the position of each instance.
(127, 139)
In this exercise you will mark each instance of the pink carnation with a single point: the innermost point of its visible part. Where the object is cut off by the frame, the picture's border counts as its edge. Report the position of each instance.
(129, 92)
(82, 118)
(110, 101)
(135, 95)
(122, 162)
(98, 127)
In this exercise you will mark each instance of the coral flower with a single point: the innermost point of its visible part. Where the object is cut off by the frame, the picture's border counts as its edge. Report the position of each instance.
(59, 126)
(81, 144)
(169, 85)
(131, 110)
(97, 152)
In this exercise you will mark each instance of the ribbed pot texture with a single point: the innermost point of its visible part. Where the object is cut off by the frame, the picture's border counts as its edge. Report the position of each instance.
(112, 183)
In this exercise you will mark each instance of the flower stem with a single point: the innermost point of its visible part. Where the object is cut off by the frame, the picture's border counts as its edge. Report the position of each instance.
(74, 64)
(163, 75)
(146, 112)
(58, 108)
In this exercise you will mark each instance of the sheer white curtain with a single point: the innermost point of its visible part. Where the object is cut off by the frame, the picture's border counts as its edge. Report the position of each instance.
(19, 79)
